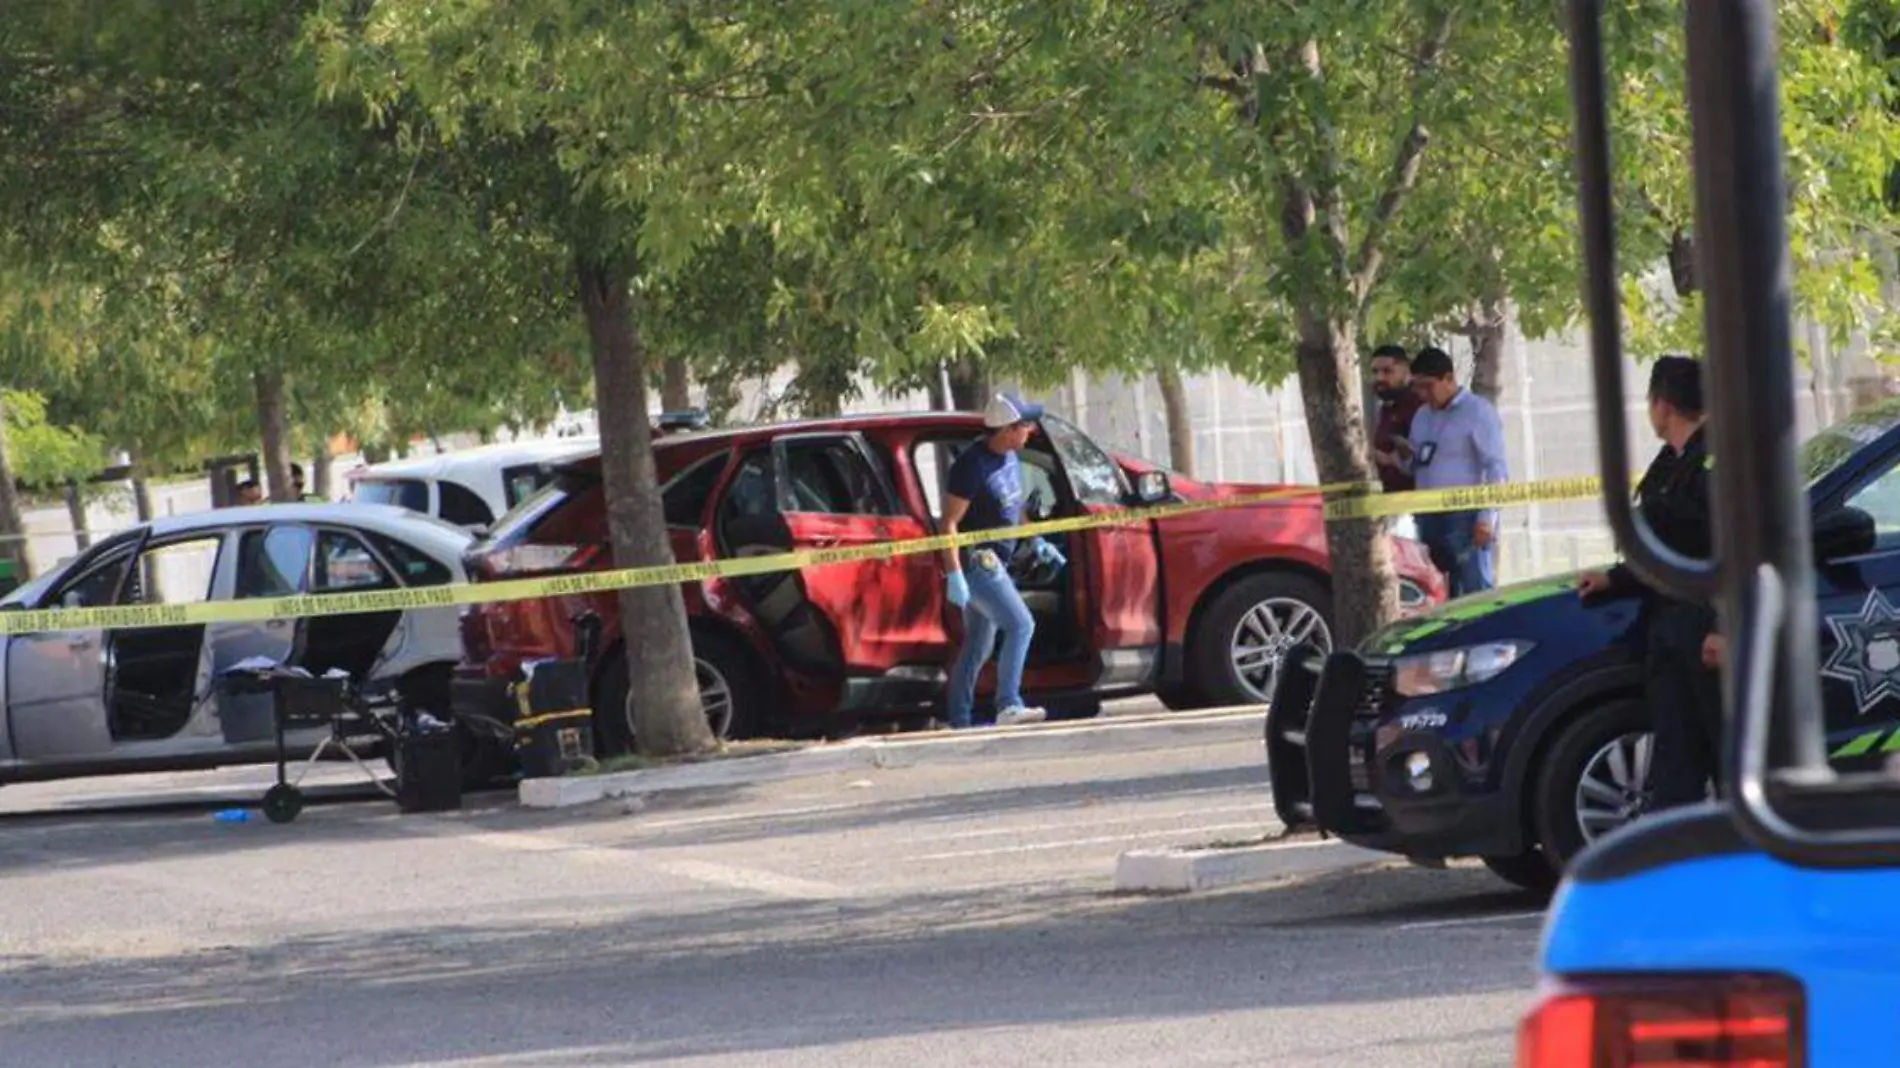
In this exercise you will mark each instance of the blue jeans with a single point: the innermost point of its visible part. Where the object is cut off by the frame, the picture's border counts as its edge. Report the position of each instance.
(1448, 536)
(994, 605)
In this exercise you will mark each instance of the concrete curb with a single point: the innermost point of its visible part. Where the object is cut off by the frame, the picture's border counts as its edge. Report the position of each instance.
(1186, 871)
(987, 745)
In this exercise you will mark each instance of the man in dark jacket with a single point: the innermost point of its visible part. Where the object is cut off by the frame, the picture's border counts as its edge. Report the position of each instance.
(1682, 692)
(1398, 402)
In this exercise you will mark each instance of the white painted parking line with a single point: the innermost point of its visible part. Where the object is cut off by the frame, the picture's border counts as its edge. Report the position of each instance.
(754, 880)
(732, 877)
(1470, 921)
(1046, 827)
(744, 817)
(1071, 843)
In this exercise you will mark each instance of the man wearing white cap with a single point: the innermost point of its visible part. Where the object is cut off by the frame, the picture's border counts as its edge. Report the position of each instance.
(985, 492)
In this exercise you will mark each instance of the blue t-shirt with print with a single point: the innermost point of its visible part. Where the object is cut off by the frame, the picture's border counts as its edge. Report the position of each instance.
(993, 484)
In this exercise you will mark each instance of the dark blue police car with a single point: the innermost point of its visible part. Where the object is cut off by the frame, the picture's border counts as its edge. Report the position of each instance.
(1510, 725)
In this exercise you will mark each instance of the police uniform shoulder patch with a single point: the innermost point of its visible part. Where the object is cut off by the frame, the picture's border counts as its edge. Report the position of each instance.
(1866, 653)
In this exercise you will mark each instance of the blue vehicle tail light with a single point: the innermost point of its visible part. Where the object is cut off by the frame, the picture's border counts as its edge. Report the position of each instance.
(1693, 1021)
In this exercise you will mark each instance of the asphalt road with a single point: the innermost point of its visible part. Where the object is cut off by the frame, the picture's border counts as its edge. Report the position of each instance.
(914, 917)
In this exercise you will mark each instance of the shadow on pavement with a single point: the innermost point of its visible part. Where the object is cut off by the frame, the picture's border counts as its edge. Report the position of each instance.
(731, 981)
(943, 806)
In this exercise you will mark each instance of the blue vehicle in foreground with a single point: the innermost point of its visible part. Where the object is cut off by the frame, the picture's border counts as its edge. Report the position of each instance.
(1755, 930)
(1510, 726)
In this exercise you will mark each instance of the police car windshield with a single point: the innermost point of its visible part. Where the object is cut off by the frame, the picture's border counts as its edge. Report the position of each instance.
(1831, 447)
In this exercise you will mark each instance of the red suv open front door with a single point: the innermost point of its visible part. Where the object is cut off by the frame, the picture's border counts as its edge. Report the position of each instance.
(1120, 565)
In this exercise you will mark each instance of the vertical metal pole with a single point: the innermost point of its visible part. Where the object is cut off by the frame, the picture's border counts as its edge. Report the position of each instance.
(1527, 435)
(1742, 255)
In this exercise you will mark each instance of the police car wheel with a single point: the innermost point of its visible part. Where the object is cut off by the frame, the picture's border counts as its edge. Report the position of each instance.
(1251, 627)
(1594, 778)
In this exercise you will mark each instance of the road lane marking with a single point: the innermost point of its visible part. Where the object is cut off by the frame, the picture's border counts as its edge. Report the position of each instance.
(755, 880)
(1070, 843)
(742, 817)
(1469, 921)
(994, 832)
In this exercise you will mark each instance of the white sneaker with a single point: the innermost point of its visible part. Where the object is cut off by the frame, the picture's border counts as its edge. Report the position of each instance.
(1010, 717)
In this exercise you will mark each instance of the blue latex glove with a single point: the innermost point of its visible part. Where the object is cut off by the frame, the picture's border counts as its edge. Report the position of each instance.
(1047, 553)
(959, 589)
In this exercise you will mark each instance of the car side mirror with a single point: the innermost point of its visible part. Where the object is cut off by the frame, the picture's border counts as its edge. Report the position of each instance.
(1153, 487)
(1843, 533)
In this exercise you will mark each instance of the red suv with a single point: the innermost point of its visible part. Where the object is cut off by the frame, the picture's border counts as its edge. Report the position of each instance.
(1199, 608)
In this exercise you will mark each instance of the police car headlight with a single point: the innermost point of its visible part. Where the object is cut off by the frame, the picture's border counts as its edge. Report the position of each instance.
(1450, 669)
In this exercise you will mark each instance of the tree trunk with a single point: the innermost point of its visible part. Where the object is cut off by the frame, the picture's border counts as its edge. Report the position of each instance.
(1487, 349)
(1682, 263)
(273, 427)
(940, 398)
(76, 511)
(141, 489)
(663, 696)
(1364, 581)
(320, 481)
(1180, 419)
(13, 546)
(970, 388)
(822, 387)
(676, 385)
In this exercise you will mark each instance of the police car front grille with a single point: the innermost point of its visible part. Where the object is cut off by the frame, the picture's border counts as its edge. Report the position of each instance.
(1365, 713)
(1372, 695)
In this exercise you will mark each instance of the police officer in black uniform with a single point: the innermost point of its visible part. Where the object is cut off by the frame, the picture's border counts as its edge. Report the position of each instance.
(1683, 694)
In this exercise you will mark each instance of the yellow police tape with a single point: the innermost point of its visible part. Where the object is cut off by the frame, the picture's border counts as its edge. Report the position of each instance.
(1348, 501)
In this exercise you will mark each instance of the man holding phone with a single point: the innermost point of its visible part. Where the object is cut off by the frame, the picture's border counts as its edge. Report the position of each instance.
(1457, 441)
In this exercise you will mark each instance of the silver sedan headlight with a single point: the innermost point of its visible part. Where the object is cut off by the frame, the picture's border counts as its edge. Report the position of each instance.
(1424, 674)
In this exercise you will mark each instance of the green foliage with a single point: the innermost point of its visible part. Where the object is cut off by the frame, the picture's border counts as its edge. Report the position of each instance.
(45, 453)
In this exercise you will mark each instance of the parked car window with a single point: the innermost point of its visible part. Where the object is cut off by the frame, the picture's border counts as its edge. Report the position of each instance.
(417, 568)
(750, 495)
(98, 586)
(274, 563)
(579, 517)
(685, 496)
(407, 493)
(344, 564)
(931, 460)
(520, 483)
(1880, 499)
(835, 478)
(462, 507)
(178, 573)
(1096, 476)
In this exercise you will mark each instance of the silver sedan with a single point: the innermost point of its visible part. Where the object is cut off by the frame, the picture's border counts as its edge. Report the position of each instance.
(87, 702)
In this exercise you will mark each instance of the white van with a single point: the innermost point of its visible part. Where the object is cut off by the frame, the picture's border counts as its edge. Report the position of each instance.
(471, 487)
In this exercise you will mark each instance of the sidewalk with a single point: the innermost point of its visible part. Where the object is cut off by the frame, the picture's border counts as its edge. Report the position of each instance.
(1166, 730)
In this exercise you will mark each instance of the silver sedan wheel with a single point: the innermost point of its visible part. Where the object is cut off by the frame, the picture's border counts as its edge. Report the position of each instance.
(1614, 789)
(715, 696)
(1267, 633)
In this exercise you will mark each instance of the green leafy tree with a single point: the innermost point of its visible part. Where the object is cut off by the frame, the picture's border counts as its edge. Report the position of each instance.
(632, 136)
